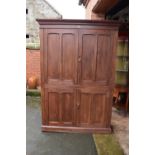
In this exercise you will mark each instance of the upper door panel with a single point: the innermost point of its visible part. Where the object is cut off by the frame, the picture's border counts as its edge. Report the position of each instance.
(95, 56)
(61, 56)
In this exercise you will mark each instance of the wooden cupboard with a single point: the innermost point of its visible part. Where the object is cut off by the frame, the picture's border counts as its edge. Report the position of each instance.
(77, 74)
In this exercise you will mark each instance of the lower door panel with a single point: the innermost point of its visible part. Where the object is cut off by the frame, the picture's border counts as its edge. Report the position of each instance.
(61, 106)
(94, 107)
(82, 109)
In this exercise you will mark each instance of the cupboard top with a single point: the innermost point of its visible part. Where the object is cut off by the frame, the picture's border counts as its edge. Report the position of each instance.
(78, 22)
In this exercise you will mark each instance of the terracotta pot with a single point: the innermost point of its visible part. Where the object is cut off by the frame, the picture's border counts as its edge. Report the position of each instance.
(32, 82)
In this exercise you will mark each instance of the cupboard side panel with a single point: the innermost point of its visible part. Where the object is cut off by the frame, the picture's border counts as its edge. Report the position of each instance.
(114, 42)
(44, 111)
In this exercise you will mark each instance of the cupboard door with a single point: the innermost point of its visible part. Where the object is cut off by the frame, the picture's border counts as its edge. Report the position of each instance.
(95, 56)
(60, 58)
(60, 104)
(94, 107)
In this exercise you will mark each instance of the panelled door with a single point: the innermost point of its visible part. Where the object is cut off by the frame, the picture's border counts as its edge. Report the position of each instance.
(93, 110)
(60, 67)
(61, 47)
(60, 106)
(95, 56)
(95, 67)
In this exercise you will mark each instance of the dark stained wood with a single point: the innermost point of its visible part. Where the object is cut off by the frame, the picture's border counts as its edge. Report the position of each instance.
(61, 105)
(61, 56)
(75, 129)
(94, 55)
(77, 74)
(44, 104)
(79, 23)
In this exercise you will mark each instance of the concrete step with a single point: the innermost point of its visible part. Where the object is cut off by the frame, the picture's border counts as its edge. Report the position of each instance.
(33, 92)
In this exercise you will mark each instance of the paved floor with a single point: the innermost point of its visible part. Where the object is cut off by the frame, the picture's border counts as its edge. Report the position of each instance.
(39, 143)
(120, 125)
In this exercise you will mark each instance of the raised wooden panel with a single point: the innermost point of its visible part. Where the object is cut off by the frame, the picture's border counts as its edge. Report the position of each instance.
(61, 56)
(88, 56)
(84, 109)
(94, 107)
(61, 106)
(68, 56)
(54, 106)
(53, 56)
(95, 55)
(103, 55)
(68, 108)
(98, 107)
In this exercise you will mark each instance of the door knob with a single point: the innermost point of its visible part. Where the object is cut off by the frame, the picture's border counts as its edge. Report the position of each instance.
(79, 59)
(78, 105)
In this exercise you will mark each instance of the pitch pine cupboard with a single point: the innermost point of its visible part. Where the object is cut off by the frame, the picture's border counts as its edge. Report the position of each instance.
(77, 74)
